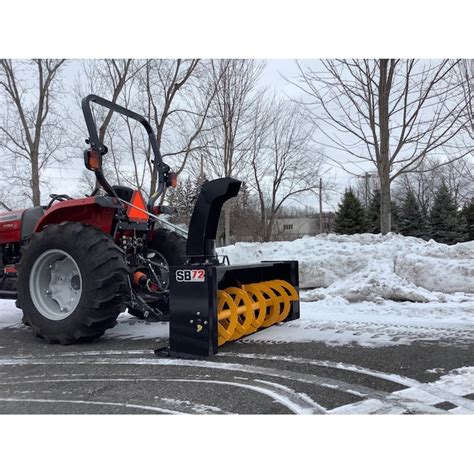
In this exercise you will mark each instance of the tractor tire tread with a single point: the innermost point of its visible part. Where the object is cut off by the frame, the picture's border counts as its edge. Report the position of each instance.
(107, 284)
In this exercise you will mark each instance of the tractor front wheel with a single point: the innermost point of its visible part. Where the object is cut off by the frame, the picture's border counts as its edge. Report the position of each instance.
(72, 283)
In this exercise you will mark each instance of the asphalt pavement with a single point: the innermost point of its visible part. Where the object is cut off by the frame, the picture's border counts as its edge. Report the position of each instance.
(117, 375)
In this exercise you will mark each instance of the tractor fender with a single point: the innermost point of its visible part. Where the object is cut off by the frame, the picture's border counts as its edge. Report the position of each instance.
(95, 211)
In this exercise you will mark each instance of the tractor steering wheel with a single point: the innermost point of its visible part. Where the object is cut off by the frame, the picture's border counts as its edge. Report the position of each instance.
(58, 197)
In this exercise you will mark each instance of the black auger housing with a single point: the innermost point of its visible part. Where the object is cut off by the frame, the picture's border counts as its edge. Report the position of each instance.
(196, 289)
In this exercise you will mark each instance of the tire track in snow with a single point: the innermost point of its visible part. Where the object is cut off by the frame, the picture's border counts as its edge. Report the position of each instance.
(441, 395)
(199, 408)
(299, 403)
(313, 406)
(192, 406)
(325, 382)
(92, 402)
(395, 402)
(295, 402)
(204, 364)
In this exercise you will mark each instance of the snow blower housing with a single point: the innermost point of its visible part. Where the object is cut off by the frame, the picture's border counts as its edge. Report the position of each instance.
(75, 264)
(212, 303)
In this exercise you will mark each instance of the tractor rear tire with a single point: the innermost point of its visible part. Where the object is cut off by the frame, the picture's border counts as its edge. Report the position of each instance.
(169, 244)
(72, 283)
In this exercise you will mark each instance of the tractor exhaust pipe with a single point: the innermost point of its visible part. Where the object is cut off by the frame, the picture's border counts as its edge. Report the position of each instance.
(201, 245)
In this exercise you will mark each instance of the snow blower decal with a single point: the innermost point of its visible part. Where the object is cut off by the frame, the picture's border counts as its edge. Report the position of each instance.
(190, 275)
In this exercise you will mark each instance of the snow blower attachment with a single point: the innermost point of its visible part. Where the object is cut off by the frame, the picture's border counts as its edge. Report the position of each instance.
(212, 303)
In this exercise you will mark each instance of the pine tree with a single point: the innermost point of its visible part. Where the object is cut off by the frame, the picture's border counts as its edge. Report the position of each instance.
(468, 215)
(373, 213)
(411, 218)
(196, 185)
(350, 217)
(182, 198)
(395, 217)
(446, 223)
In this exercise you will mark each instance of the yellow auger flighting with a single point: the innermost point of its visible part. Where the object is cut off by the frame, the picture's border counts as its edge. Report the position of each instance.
(242, 311)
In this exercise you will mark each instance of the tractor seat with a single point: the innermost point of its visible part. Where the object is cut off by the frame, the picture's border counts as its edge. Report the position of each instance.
(29, 219)
(123, 192)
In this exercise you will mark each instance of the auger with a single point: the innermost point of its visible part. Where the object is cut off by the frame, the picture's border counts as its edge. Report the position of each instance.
(242, 311)
(74, 265)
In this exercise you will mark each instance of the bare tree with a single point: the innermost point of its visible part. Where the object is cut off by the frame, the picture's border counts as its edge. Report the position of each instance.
(106, 78)
(425, 181)
(422, 183)
(170, 94)
(30, 125)
(111, 79)
(227, 150)
(365, 187)
(161, 83)
(391, 113)
(4, 198)
(466, 78)
(458, 177)
(283, 164)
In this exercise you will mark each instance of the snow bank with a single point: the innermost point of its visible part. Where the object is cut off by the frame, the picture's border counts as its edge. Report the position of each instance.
(10, 316)
(368, 267)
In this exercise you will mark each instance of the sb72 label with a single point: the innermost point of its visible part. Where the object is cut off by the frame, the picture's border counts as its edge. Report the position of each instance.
(197, 275)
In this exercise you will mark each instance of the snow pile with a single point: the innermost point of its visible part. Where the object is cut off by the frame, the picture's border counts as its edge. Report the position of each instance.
(368, 267)
(10, 316)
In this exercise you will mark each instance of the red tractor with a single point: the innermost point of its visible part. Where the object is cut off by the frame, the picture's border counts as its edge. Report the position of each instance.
(75, 264)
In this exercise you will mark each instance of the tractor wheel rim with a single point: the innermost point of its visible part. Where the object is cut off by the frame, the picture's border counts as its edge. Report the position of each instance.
(55, 284)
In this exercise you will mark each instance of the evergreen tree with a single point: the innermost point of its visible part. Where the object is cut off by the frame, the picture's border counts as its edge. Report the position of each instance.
(446, 223)
(395, 217)
(196, 185)
(350, 217)
(373, 213)
(411, 218)
(182, 198)
(468, 214)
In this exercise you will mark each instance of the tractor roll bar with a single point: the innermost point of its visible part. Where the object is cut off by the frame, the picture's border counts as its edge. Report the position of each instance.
(95, 143)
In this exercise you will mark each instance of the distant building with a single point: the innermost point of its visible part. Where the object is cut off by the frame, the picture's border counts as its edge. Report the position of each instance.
(291, 228)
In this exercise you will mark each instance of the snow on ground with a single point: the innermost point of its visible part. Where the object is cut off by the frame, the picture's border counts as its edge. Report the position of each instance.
(458, 383)
(370, 267)
(450, 393)
(365, 289)
(333, 321)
